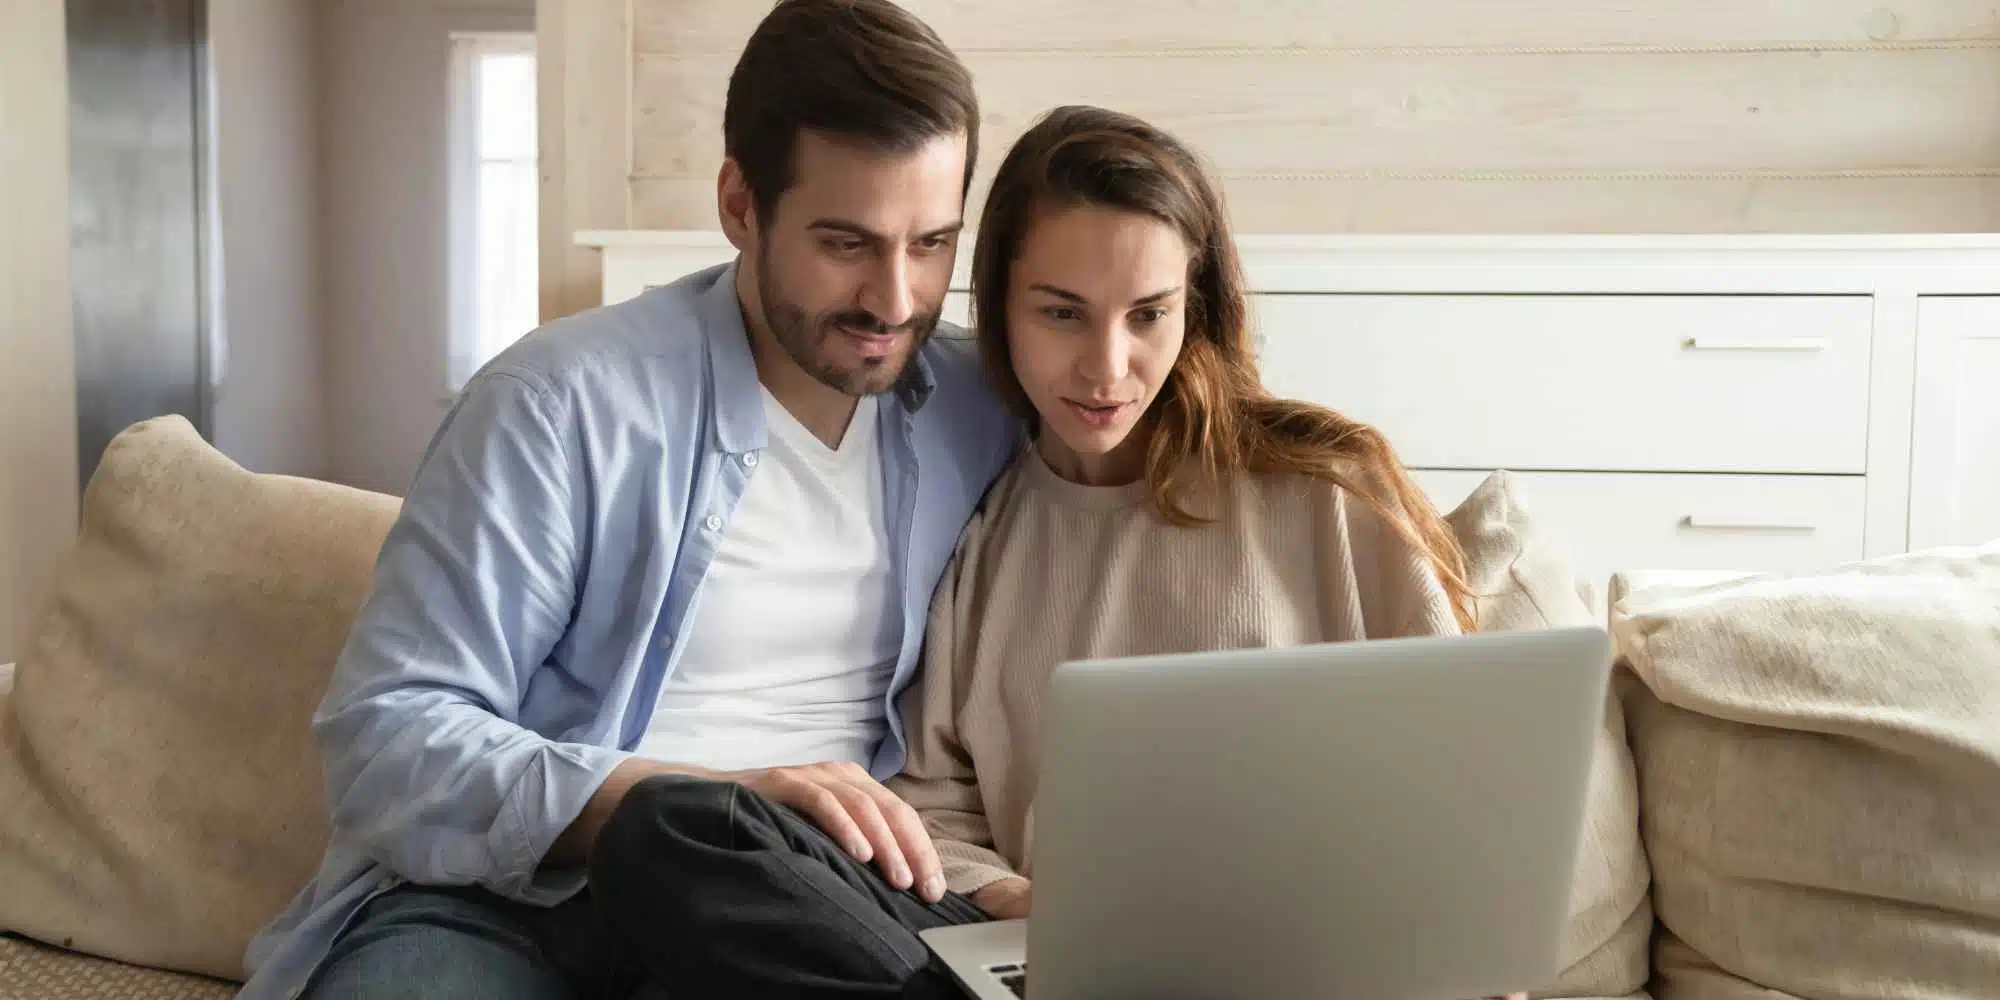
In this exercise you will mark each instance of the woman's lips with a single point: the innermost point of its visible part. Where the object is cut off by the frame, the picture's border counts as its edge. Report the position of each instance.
(1097, 414)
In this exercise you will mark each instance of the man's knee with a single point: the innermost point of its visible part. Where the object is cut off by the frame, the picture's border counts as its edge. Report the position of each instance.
(665, 812)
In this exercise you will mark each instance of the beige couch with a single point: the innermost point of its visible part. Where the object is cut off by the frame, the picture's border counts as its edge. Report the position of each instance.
(1796, 791)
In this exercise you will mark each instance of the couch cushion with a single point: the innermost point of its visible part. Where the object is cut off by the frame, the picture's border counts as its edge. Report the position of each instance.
(1819, 757)
(1625, 584)
(1527, 581)
(32, 970)
(160, 798)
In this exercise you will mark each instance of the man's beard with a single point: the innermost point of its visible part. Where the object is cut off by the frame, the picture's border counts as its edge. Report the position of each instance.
(802, 336)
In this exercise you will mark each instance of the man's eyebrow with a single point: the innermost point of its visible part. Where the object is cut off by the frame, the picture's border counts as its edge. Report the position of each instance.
(853, 228)
(848, 227)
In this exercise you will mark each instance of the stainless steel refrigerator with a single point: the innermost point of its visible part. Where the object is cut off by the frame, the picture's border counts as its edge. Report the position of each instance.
(146, 266)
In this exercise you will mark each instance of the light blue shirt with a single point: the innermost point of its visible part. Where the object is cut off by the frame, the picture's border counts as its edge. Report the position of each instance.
(527, 601)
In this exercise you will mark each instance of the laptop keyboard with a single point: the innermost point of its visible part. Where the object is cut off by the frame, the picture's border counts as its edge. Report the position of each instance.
(1014, 977)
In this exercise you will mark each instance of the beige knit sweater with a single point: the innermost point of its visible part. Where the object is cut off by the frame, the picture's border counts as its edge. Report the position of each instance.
(1050, 571)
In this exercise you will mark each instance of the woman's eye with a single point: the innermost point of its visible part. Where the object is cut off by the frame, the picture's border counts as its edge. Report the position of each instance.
(1148, 317)
(1061, 314)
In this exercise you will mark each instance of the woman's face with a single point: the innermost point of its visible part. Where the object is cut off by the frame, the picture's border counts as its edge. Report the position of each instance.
(1096, 312)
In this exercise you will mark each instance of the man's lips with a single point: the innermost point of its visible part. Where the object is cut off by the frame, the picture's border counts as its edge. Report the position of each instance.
(874, 343)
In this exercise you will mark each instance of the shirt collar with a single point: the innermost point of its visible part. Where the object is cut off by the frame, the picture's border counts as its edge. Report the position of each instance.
(739, 421)
(739, 404)
(919, 381)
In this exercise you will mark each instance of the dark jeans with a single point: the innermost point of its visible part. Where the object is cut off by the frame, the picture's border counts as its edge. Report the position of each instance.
(451, 943)
(698, 890)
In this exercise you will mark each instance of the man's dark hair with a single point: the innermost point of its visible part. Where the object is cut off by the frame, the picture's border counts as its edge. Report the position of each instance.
(859, 71)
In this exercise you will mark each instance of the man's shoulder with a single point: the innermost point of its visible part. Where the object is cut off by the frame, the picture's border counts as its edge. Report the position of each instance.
(656, 332)
(966, 419)
(961, 386)
(953, 353)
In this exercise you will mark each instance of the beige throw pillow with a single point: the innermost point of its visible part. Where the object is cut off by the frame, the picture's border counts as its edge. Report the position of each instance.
(160, 798)
(1527, 581)
(1819, 757)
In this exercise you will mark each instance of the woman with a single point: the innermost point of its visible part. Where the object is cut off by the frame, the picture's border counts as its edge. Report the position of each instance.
(1164, 504)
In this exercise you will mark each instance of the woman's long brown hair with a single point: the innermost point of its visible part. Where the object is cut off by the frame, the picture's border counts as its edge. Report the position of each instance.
(1213, 420)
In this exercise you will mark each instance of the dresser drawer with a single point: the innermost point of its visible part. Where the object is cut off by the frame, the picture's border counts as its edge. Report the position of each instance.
(1602, 382)
(1632, 521)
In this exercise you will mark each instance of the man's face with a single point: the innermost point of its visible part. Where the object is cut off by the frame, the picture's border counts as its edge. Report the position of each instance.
(853, 265)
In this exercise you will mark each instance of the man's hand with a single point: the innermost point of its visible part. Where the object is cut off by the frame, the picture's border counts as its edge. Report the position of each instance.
(1007, 899)
(860, 814)
(865, 818)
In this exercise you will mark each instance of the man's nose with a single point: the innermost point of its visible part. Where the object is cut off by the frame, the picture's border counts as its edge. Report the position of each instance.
(888, 293)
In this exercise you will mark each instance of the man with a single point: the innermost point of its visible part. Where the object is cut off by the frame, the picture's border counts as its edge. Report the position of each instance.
(691, 534)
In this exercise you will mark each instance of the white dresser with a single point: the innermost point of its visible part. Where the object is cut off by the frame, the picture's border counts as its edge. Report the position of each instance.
(1703, 403)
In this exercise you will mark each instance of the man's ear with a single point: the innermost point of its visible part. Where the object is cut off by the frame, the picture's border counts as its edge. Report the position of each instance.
(735, 206)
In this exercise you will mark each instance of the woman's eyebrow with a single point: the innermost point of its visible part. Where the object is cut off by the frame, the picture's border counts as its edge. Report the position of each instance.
(1061, 293)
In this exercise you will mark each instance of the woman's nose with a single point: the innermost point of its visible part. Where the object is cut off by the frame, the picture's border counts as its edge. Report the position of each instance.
(1108, 357)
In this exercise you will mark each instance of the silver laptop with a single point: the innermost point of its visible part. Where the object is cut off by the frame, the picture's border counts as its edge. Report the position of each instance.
(1387, 820)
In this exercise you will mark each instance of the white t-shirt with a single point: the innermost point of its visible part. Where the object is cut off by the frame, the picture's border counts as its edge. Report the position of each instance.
(794, 636)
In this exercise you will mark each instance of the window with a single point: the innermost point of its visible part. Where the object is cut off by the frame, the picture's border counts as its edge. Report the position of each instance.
(495, 277)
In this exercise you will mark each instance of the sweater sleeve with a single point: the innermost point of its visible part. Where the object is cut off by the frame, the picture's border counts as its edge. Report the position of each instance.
(939, 779)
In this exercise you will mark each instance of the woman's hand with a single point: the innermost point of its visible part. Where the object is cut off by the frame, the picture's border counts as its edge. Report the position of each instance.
(1007, 899)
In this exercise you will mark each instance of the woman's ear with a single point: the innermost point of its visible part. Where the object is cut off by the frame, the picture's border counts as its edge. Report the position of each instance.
(735, 207)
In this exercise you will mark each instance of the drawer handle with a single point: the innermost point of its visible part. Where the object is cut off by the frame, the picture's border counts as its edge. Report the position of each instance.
(1705, 522)
(1793, 345)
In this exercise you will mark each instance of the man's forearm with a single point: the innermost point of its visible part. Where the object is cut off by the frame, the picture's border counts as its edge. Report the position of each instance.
(572, 849)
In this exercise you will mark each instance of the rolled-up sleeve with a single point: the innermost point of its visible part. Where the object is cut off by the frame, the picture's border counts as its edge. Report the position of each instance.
(428, 770)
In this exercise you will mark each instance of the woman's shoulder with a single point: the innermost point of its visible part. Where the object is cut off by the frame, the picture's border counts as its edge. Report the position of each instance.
(1356, 504)
(1337, 494)
(1373, 540)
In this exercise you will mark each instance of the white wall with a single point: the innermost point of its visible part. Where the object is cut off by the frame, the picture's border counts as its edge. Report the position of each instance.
(270, 414)
(384, 73)
(37, 346)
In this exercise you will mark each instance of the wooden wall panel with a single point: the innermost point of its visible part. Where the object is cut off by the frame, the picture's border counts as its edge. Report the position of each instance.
(1599, 116)
(1503, 205)
(584, 76)
(706, 27)
(1775, 111)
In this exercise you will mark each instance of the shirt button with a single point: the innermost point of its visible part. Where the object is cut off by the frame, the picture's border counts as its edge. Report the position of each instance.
(712, 523)
(667, 641)
(750, 460)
